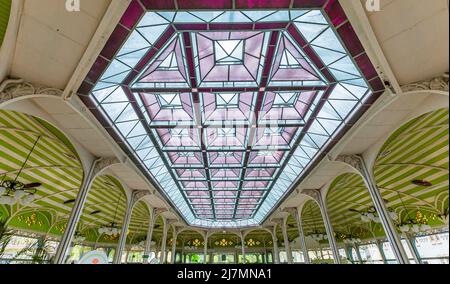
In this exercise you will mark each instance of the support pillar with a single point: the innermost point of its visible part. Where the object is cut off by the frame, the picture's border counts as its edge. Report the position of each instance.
(164, 241)
(243, 248)
(316, 195)
(301, 234)
(275, 253)
(174, 245)
(358, 163)
(287, 246)
(126, 223)
(205, 249)
(148, 241)
(75, 214)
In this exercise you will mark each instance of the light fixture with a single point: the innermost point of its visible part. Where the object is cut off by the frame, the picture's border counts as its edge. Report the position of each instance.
(318, 236)
(413, 225)
(112, 229)
(371, 215)
(13, 191)
(421, 182)
(142, 243)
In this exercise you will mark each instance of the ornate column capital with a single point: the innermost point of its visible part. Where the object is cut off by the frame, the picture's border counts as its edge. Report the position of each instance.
(435, 84)
(291, 210)
(356, 161)
(103, 163)
(16, 88)
(138, 194)
(313, 193)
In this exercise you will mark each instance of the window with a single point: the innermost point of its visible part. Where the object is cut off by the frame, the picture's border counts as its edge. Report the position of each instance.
(227, 100)
(169, 64)
(169, 101)
(288, 61)
(229, 52)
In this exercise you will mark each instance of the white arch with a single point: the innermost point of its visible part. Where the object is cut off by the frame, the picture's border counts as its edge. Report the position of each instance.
(24, 105)
(436, 100)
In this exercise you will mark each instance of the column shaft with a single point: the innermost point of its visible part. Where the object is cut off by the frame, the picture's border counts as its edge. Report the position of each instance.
(205, 251)
(123, 233)
(163, 243)
(287, 246)
(174, 246)
(329, 229)
(148, 241)
(74, 217)
(386, 221)
(302, 237)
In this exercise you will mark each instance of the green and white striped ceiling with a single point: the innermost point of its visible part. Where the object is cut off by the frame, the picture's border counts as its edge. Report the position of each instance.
(418, 150)
(55, 163)
(5, 10)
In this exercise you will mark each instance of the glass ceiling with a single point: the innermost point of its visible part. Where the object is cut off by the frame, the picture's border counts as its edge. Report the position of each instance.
(225, 111)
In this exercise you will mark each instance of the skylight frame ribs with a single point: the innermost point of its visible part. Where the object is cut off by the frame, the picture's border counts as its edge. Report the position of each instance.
(269, 57)
(197, 111)
(142, 120)
(336, 22)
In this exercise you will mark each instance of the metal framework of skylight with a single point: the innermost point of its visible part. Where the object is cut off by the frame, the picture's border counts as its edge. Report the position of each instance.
(225, 122)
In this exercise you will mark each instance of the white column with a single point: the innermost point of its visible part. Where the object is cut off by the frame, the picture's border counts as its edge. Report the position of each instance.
(378, 202)
(164, 241)
(123, 234)
(329, 229)
(75, 214)
(243, 248)
(205, 249)
(287, 246)
(302, 236)
(148, 241)
(275, 253)
(174, 245)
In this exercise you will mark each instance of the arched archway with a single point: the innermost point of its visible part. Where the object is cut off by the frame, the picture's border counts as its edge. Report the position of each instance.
(352, 215)
(258, 246)
(38, 155)
(102, 216)
(411, 169)
(315, 233)
(190, 246)
(137, 233)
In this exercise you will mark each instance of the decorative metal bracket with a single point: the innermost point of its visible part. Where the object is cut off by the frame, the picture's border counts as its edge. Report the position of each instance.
(353, 160)
(435, 84)
(313, 193)
(138, 195)
(16, 88)
(104, 163)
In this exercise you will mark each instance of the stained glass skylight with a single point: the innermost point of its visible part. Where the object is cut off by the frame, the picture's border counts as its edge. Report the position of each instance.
(227, 105)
